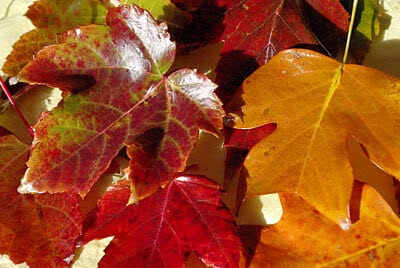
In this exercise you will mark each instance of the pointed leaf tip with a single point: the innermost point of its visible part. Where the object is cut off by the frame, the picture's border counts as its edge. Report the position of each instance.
(317, 106)
(130, 99)
(162, 229)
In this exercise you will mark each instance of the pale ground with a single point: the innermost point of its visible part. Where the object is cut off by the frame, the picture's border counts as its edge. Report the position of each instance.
(384, 55)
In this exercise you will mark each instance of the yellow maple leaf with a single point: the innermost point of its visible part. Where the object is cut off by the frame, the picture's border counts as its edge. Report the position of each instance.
(318, 103)
(304, 238)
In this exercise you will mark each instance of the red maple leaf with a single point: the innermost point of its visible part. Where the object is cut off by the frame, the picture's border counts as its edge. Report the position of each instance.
(121, 95)
(161, 230)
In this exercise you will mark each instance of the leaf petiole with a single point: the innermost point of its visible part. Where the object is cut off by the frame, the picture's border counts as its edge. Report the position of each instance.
(14, 105)
(353, 15)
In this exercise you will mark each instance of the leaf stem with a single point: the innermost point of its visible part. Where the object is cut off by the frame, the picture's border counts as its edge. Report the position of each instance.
(14, 105)
(352, 19)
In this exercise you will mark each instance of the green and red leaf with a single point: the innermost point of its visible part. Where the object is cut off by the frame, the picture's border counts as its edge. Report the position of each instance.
(118, 71)
(52, 17)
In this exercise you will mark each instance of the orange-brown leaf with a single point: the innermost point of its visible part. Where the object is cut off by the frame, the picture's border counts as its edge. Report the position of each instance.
(305, 238)
(317, 105)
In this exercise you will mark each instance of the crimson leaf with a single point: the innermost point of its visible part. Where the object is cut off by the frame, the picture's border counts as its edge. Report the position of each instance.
(256, 30)
(161, 230)
(123, 96)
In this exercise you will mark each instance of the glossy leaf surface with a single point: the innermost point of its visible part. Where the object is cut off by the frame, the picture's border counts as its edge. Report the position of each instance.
(317, 106)
(30, 229)
(161, 230)
(129, 102)
(162, 10)
(373, 241)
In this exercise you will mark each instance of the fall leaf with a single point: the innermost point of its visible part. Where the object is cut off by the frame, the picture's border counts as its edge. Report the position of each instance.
(162, 10)
(256, 30)
(238, 143)
(317, 104)
(305, 238)
(118, 95)
(161, 230)
(52, 17)
(30, 229)
(122, 97)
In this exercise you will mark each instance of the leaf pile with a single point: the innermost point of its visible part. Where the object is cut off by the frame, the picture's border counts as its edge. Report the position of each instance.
(128, 112)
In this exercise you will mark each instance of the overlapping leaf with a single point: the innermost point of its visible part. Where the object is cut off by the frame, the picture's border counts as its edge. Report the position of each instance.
(305, 238)
(124, 99)
(52, 17)
(256, 30)
(30, 229)
(32, 101)
(163, 10)
(317, 105)
(162, 229)
(369, 27)
(238, 143)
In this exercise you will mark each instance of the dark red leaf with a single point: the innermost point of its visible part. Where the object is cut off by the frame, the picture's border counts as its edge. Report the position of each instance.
(238, 142)
(256, 30)
(245, 139)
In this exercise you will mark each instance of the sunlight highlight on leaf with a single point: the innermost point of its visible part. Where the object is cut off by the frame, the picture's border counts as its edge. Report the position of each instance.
(316, 108)
(373, 241)
(161, 230)
(120, 97)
